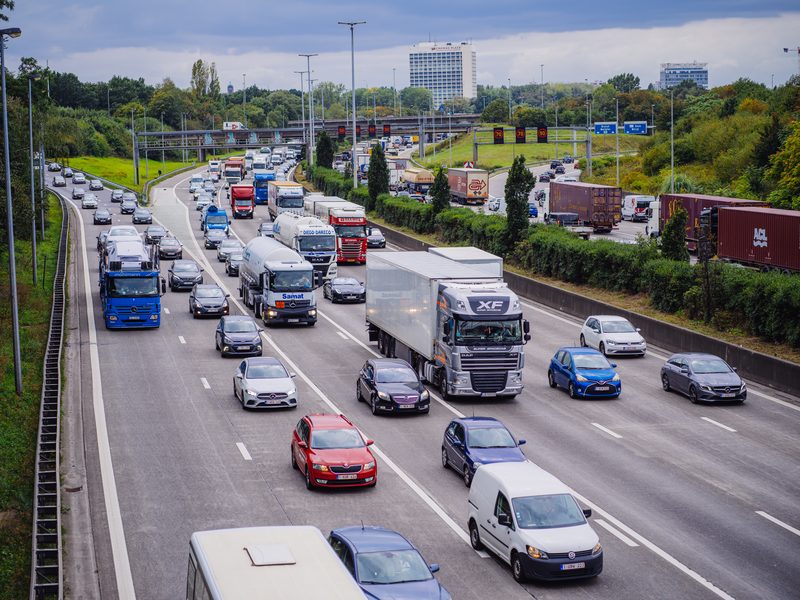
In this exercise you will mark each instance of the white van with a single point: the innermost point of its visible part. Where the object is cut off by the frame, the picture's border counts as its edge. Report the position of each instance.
(635, 207)
(529, 519)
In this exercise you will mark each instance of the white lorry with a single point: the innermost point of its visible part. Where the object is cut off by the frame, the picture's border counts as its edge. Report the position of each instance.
(461, 328)
(311, 238)
(277, 283)
(474, 257)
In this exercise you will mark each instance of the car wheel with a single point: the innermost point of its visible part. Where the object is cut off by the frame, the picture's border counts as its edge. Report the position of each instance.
(572, 393)
(583, 341)
(474, 536)
(467, 476)
(602, 348)
(693, 395)
(665, 382)
(550, 379)
(294, 460)
(374, 406)
(359, 397)
(445, 463)
(516, 568)
(309, 485)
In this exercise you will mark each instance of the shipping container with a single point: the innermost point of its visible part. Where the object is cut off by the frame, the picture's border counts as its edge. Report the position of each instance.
(468, 186)
(694, 204)
(597, 206)
(760, 237)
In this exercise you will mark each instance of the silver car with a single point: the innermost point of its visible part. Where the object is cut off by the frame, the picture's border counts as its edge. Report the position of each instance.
(263, 382)
(89, 201)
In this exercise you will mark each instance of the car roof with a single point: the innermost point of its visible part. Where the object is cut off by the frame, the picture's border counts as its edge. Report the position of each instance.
(578, 350)
(524, 479)
(329, 421)
(260, 360)
(607, 318)
(373, 539)
(482, 422)
(390, 362)
(184, 261)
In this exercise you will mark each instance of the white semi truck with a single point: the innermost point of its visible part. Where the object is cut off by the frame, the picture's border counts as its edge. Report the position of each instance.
(460, 327)
(311, 238)
(277, 283)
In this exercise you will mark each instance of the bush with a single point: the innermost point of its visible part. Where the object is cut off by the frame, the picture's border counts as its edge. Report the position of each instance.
(668, 281)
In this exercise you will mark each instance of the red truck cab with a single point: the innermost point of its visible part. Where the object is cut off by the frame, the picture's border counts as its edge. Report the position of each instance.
(243, 201)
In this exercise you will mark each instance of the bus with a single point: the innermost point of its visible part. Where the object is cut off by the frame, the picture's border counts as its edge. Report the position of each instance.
(253, 563)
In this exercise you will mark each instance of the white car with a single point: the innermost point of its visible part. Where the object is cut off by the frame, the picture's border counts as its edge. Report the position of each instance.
(493, 204)
(563, 178)
(264, 383)
(612, 335)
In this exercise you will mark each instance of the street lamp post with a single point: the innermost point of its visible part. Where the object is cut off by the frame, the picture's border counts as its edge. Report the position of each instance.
(244, 98)
(353, 92)
(653, 118)
(394, 89)
(671, 145)
(302, 105)
(616, 129)
(163, 161)
(146, 166)
(509, 101)
(33, 77)
(542, 87)
(587, 103)
(108, 100)
(12, 32)
(310, 112)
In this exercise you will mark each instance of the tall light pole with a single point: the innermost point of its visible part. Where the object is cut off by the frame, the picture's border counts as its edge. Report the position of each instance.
(146, 166)
(653, 118)
(163, 161)
(353, 92)
(671, 145)
(12, 32)
(542, 87)
(108, 100)
(509, 101)
(32, 77)
(244, 98)
(394, 89)
(616, 129)
(303, 105)
(310, 112)
(587, 103)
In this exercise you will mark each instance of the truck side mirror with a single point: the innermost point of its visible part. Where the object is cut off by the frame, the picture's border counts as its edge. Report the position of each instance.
(446, 328)
(163, 286)
(526, 327)
(319, 279)
(527, 337)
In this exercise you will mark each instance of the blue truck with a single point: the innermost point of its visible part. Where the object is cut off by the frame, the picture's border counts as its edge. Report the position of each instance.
(214, 217)
(131, 285)
(260, 179)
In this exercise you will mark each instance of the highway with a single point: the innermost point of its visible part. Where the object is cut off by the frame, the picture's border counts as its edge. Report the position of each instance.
(690, 501)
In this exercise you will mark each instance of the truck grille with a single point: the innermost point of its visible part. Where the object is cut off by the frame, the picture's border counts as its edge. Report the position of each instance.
(295, 303)
(352, 250)
(141, 309)
(481, 362)
(488, 381)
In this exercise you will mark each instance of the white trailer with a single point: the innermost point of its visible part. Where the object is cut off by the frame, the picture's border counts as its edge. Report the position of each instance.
(475, 257)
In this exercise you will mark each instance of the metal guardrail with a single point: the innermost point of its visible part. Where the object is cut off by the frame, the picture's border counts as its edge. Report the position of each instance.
(46, 566)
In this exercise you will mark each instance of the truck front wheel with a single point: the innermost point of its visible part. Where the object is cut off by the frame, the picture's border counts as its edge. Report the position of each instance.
(443, 386)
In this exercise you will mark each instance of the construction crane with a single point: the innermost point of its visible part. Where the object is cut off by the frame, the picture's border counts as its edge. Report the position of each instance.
(797, 51)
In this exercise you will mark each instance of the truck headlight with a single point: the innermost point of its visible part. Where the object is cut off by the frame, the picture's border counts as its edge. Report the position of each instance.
(312, 313)
(515, 379)
(536, 553)
(461, 380)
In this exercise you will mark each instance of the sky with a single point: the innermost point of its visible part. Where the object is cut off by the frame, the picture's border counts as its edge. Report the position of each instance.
(574, 40)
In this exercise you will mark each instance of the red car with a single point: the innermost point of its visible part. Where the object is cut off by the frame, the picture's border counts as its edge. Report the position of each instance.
(331, 452)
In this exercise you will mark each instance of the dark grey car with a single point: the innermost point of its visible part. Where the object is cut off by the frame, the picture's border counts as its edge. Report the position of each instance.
(391, 385)
(238, 335)
(128, 207)
(184, 274)
(703, 378)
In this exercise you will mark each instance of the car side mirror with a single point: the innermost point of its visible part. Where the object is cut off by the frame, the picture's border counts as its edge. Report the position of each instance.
(291, 374)
(685, 371)
(587, 512)
(520, 442)
(227, 295)
(361, 282)
(613, 365)
(238, 375)
(260, 329)
(202, 269)
(596, 330)
(302, 445)
(502, 519)
(735, 370)
(370, 442)
(638, 330)
(458, 443)
(434, 568)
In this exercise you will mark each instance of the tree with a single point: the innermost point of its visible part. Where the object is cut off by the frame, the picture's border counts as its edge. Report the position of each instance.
(530, 117)
(673, 240)
(378, 176)
(495, 112)
(519, 184)
(325, 150)
(440, 191)
(625, 82)
(769, 142)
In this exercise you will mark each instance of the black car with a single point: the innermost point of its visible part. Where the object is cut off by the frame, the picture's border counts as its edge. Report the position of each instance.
(154, 233)
(128, 207)
(101, 240)
(544, 176)
(344, 289)
(54, 167)
(391, 385)
(375, 238)
(209, 187)
(78, 193)
(95, 185)
(560, 170)
(568, 160)
(238, 335)
(213, 238)
(232, 263)
(554, 163)
(59, 181)
(142, 215)
(265, 229)
(208, 299)
(129, 196)
(116, 195)
(226, 247)
(550, 174)
(68, 172)
(169, 247)
(184, 274)
(102, 216)
(703, 378)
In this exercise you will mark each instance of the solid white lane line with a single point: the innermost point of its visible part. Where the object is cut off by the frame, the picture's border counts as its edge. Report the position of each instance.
(608, 431)
(777, 522)
(183, 341)
(116, 531)
(244, 451)
(718, 424)
(774, 399)
(342, 335)
(616, 533)
(205, 383)
(166, 310)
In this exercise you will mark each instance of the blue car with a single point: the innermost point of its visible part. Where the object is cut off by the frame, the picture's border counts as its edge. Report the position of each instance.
(585, 373)
(385, 564)
(470, 442)
(532, 210)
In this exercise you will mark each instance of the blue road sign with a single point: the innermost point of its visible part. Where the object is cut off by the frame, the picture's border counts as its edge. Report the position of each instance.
(609, 128)
(636, 127)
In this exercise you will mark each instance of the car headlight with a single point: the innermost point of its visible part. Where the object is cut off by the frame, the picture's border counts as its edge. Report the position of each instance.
(291, 391)
(596, 549)
(743, 388)
(225, 304)
(322, 468)
(424, 395)
(251, 393)
(707, 388)
(616, 377)
(384, 396)
(536, 553)
(477, 464)
(580, 378)
(198, 278)
(369, 465)
(612, 342)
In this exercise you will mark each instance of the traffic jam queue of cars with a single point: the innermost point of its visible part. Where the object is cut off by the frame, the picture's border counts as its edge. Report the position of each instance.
(519, 512)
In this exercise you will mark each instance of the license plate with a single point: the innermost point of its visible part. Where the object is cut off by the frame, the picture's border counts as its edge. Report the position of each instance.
(292, 320)
(488, 395)
(601, 388)
(212, 309)
(727, 395)
(570, 566)
(405, 406)
(351, 297)
(353, 476)
(272, 401)
(243, 347)
(351, 260)
(134, 318)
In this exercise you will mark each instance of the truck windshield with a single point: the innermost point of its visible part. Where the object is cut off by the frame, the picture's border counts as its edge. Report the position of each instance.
(132, 287)
(291, 202)
(318, 243)
(488, 332)
(233, 172)
(217, 219)
(243, 202)
(291, 281)
(351, 231)
(261, 184)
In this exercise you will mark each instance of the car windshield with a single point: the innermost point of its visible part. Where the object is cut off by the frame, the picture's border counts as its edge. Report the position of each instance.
(545, 512)
(395, 375)
(123, 231)
(185, 267)
(236, 257)
(710, 365)
(345, 281)
(170, 242)
(291, 202)
(349, 231)
(102, 213)
(318, 243)
(291, 281)
(266, 371)
(470, 332)
(132, 287)
(230, 244)
(240, 327)
(591, 361)
(156, 229)
(212, 218)
(490, 437)
(375, 233)
(266, 227)
(618, 327)
(392, 566)
(209, 293)
(323, 439)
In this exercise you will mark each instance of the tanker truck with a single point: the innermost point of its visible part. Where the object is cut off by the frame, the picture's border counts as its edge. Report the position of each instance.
(311, 238)
(277, 283)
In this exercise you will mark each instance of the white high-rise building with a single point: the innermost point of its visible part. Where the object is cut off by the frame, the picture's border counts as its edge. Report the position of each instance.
(446, 70)
(673, 73)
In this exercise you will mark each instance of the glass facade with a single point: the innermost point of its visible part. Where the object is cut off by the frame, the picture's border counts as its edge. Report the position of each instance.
(673, 73)
(446, 70)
